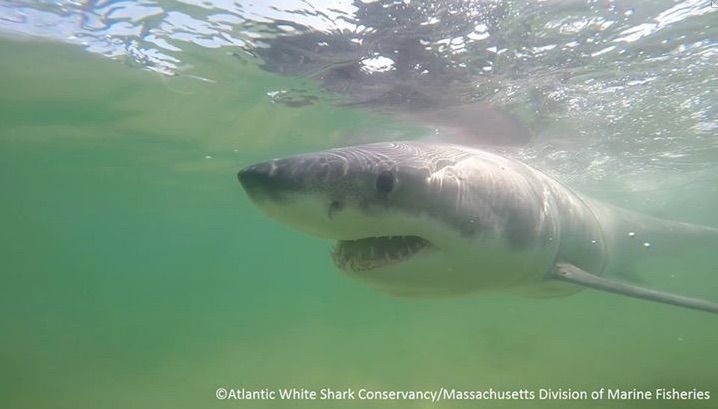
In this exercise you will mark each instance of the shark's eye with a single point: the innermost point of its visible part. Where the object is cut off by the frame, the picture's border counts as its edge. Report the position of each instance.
(385, 182)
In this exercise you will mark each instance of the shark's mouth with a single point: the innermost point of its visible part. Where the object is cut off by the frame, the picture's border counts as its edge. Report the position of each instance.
(374, 252)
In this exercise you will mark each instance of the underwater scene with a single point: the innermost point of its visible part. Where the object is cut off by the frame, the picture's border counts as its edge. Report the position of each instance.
(139, 272)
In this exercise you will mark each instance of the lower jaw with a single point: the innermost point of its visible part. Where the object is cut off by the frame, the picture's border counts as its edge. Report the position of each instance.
(364, 266)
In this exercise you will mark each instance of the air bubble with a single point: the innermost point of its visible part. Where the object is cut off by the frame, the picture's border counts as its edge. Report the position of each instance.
(646, 244)
(631, 234)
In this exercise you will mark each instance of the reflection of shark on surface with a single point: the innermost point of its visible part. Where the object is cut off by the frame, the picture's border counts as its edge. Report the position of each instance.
(398, 65)
(422, 218)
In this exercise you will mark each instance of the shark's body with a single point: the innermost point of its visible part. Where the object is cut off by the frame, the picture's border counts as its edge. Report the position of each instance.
(418, 218)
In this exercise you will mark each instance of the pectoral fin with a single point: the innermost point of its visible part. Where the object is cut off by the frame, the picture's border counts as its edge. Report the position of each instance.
(573, 274)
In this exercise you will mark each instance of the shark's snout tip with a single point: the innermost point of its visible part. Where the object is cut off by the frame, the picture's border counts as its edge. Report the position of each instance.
(241, 175)
(254, 175)
(270, 178)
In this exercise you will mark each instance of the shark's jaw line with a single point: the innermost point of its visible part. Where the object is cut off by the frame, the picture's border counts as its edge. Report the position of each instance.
(376, 252)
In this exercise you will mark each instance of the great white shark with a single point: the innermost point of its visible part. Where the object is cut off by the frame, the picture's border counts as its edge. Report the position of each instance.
(432, 219)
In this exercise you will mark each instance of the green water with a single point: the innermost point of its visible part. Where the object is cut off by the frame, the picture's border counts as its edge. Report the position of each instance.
(136, 274)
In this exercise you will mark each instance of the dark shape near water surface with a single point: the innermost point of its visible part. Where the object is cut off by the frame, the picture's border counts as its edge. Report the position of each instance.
(425, 85)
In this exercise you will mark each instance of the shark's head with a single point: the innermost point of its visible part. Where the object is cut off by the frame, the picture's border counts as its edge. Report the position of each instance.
(407, 217)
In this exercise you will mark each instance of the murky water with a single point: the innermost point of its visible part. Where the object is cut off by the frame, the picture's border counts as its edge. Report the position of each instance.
(137, 274)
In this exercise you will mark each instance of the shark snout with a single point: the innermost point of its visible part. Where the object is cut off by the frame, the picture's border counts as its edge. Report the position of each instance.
(292, 190)
(268, 180)
(255, 176)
